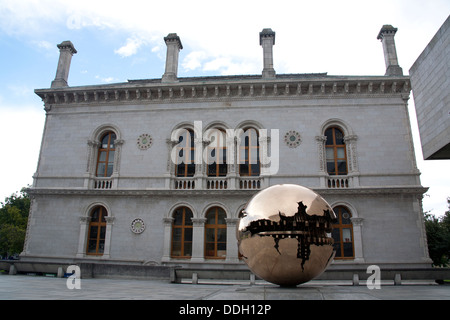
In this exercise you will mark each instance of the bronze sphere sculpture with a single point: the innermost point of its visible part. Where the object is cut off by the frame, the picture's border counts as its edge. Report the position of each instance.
(284, 234)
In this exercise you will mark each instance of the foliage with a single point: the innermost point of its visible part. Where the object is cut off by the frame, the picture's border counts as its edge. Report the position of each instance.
(438, 236)
(13, 223)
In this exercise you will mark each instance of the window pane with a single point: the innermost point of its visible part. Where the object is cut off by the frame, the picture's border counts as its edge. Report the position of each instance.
(212, 169)
(190, 170)
(222, 249)
(178, 218)
(243, 169)
(188, 234)
(95, 215)
(348, 249)
(331, 169)
(210, 235)
(339, 136)
(92, 246)
(221, 235)
(101, 246)
(93, 232)
(188, 217)
(221, 217)
(101, 170)
(102, 156)
(341, 153)
(330, 153)
(176, 236)
(345, 216)
(180, 170)
(255, 169)
(176, 248)
(102, 232)
(346, 235)
(336, 235)
(187, 249)
(209, 249)
(109, 170)
(342, 166)
(329, 135)
(111, 157)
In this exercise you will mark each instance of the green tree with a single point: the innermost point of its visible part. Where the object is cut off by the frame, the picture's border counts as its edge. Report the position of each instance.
(13, 222)
(438, 236)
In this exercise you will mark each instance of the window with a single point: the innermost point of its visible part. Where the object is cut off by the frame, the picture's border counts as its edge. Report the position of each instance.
(97, 231)
(105, 160)
(217, 154)
(343, 234)
(215, 234)
(185, 166)
(249, 162)
(182, 233)
(336, 155)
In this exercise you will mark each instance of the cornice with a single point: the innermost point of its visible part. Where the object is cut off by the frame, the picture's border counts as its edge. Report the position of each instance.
(141, 91)
(412, 190)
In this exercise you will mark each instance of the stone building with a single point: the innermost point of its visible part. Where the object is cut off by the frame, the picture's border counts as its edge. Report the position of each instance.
(156, 171)
(430, 83)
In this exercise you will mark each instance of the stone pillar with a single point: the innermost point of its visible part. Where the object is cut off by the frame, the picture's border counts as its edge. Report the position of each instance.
(232, 248)
(174, 46)
(198, 240)
(82, 238)
(66, 51)
(167, 239)
(267, 41)
(386, 35)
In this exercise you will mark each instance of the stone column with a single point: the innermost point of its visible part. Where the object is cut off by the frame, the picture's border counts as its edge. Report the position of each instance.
(198, 240)
(167, 239)
(267, 41)
(84, 225)
(174, 46)
(232, 248)
(109, 225)
(66, 51)
(386, 35)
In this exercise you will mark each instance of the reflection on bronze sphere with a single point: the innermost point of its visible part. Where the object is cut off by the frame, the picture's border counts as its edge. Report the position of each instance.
(284, 234)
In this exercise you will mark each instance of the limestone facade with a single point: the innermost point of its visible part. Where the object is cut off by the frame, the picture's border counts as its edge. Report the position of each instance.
(143, 189)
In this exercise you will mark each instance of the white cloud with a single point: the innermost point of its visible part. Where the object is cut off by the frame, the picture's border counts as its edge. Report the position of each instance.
(23, 125)
(130, 48)
(106, 79)
(193, 60)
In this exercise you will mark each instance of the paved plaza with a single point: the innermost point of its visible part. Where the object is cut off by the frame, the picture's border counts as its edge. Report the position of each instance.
(25, 287)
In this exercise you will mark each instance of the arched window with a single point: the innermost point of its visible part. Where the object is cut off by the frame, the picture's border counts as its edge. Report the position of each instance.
(249, 161)
(182, 233)
(215, 234)
(217, 153)
(336, 155)
(105, 160)
(97, 231)
(343, 234)
(185, 165)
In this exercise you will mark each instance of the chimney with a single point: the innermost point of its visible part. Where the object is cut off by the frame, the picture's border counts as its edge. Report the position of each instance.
(66, 51)
(174, 46)
(386, 35)
(267, 40)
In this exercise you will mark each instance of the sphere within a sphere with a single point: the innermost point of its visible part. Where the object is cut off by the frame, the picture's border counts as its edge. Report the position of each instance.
(284, 234)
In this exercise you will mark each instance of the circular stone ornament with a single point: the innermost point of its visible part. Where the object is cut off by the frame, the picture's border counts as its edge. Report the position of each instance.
(284, 234)
(137, 225)
(292, 139)
(144, 141)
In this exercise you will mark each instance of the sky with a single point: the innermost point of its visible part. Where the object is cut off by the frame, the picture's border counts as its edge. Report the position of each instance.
(121, 40)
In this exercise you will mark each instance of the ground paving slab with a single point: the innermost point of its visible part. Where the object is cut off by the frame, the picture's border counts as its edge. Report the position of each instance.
(24, 287)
